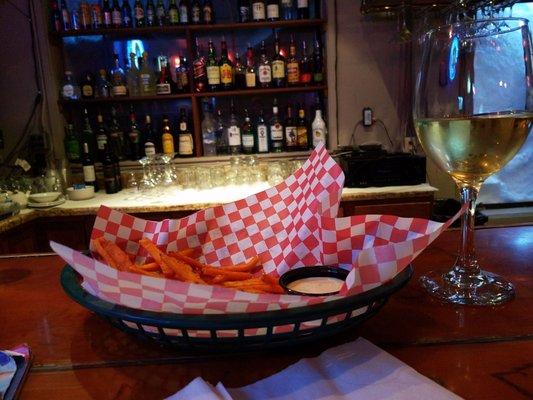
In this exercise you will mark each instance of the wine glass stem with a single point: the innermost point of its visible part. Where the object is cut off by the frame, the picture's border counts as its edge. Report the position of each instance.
(467, 262)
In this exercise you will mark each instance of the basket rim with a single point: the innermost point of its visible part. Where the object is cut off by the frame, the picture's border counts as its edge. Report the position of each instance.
(72, 287)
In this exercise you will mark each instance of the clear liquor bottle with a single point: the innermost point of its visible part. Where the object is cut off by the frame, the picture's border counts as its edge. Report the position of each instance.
(221, 134)
(262, 133)
(70, 89)
(208, 131)
(234, 132)
(149, 143)
(276, 130)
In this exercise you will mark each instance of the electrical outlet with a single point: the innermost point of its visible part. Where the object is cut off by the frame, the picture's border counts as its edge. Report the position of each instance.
(368, 117)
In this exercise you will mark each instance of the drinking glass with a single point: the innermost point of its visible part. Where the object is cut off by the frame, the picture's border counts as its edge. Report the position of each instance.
(472, 112)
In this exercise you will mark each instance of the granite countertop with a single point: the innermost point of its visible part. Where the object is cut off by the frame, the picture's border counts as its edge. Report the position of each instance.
(172, 199)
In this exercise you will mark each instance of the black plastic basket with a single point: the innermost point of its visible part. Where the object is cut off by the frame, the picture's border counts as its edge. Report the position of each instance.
(228, 332)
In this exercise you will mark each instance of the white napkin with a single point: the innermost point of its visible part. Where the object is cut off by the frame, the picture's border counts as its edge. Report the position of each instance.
(356, 370)
(8, 367)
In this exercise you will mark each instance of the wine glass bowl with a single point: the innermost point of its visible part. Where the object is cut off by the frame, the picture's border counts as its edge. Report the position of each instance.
(473, 110)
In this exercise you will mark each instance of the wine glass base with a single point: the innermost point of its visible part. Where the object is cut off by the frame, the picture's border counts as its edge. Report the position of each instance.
(482, 289)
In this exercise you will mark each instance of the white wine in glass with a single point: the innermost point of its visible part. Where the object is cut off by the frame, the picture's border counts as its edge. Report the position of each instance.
(473, 111)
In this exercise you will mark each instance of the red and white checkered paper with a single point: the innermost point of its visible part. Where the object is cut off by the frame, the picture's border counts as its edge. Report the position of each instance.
(290, 225)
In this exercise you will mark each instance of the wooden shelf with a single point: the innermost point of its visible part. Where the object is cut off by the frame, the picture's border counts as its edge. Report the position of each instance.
(242, 92)
(198, 29)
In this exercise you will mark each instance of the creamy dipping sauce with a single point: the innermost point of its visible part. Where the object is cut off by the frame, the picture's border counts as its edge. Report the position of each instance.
(316, 285)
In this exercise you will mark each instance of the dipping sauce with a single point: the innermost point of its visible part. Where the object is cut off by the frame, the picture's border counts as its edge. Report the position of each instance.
(316, 285)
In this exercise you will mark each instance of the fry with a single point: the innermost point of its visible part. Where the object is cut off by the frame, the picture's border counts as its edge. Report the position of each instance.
(246, 267)
(103, 253)
(153, 266)
(211, 271)
(156, 254)
(181, 270)
(138, 270)
(188, 260)
(187, 252)
(118, 255)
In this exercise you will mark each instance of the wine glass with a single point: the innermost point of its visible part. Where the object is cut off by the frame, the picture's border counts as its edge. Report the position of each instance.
(472, 112)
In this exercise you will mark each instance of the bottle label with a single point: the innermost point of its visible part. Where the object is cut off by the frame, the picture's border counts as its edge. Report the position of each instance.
(73, 150)
(258, 10)
(213, 75)
(162, 88)
(119, 90)
(101, 141)
(183, 126)
(150, 16)
(286, 3)
(88, 173)
(293, 72)
(208, 15)
(305, 77)
(87, 90)
(145, 81)
(139, 13)
(68, 91)
(250, 79)
(301, 133)
(319, 136)
(278, 69)
(96, 15)
(245, 14)
(226, 74)
(168, 143)
(183, 80)
(248, 141)
(117, 17)
(276, 132)
(301, 113)
(303, 3)
(265, 73)
(234, 133)
(184, 15)
(262, 139)
(134, 137)
(291, 136)
(173, 16)
(272, 11)
(185, 144)
(126, 19)
(149, 149)
(195, 15)
(108, 19)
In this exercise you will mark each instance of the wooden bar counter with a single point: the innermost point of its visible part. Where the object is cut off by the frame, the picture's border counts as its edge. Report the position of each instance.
(478, 353)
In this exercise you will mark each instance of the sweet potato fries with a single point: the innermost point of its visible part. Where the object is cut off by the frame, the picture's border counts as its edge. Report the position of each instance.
(181, 265)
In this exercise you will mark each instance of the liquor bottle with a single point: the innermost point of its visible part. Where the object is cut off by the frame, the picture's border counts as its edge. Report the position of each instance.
(110, 173)
(72, 145)
(173, 13)
(163, 86)
(150, 17)
(318, 127)
(250, 68)
(244, 10)
(118, 80)
(101, 137)
(240, 73)
(116, 136)
(293, 66)
(262, 133)
(306, 67)
(127, 20)
(85, 15)
(74, 20)
(196, 12)
(55, 18)
(221, 134)
(134, 138)
(69, 89)
(106, 13)
(87, 134)
(278, 67)
(208, 13)
(258, 11)
(318, 67)
(302, 131)
(160, 13)
(234, 132)
(132, 77)
(185, 142)
(213, 69)
(182, 74)
(272, 10)
(226, 67)
(276, 130)
(247, 135)
(96, 16)
(291, 136)
(116, 15)
(199, 70)
(102, 85)
(65, 16)
(184, 12)
(138, 14)
(118, 173)
(167, 140)
(208, 131)
(302, 11)
(147, 77)
(287, 9)
(264, 69)
(149, 144)
(89, 173)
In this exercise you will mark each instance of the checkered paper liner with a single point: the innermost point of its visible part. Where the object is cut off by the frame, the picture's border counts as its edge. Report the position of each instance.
(288, 226)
